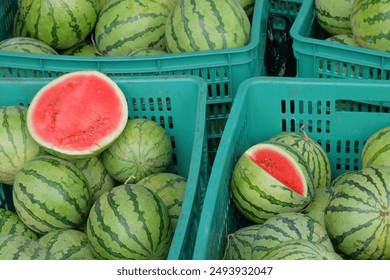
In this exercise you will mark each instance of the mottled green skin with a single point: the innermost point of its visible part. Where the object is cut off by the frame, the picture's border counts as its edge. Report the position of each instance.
(376, 150)
(16, 247)
(334, 15)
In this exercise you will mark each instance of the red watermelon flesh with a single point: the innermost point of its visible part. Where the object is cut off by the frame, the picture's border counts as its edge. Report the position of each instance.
(280, 166)
(78, 114)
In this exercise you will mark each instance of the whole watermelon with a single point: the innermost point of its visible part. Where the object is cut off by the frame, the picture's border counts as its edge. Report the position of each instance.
(370, 21)
(61, 24)
(357, 215)
(17, 146)
(127, 25)
(50, 193)
(207, 25)
(129, 222)
(143, 148)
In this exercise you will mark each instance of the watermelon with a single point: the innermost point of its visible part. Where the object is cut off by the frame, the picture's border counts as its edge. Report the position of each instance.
(54, 114)
(17, 146)
(271, 178)
(356, 217)
(207, 25)
(312, 152)
(10, 223)
(129, 222)
(84, 48)
(370, 23)
(341, 177)
(346, 39)
(316, 208)
(60, 24)
(170, 188)
(127, 25)
(50, 193)
(300, 249)
(253, 242)
(142, 149)
(67, 244)
(334, 15)
(26, 45)
(376, 149)
(99, 180)
(16, 247)
(19, 28)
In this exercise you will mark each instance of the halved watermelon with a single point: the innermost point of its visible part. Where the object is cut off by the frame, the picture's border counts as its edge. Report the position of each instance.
(271, 178)
(77, 115)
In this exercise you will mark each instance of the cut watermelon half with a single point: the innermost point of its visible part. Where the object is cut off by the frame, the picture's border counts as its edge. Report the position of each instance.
(280, 165)
(77, 115)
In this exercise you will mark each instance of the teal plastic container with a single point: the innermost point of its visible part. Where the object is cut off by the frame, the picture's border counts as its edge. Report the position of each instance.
(340, 115)
(176, 103)
(317, 58)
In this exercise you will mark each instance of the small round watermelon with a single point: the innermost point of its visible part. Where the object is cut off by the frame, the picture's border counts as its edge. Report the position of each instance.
(50, 193)
(60, 24)
(77, 115)
(207, 25)
(129, 222)
(26, 45)
(67, 244)
(375, 150)
(142, 149)
(269, 179)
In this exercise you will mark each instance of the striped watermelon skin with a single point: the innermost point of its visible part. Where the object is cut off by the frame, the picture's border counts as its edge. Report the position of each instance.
(312, 152)
(124, 26)
(143, 148)
(288, 226)
(67, 244)
(198, 25)
(239, 244)
(316, 208)
(129, 222)
(334, 15)
(26, 45)
(170, 188)
(19, 28)
(356, 217)
(17, 146)
(99, 180)
(259, 196)
(16, 247)
(346, 39)
(370, 21)
(376, 150)
(10, 223)
(84, 48)
(59, 23)
(50, 193)
(300, 249)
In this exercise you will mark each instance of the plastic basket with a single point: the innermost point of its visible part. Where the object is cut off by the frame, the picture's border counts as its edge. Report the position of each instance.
(178, 104)
(321, 59)
(340, 115)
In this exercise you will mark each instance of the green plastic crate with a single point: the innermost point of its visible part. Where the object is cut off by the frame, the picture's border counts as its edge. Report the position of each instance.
(317, 58)
(340, 115)
(178, 104)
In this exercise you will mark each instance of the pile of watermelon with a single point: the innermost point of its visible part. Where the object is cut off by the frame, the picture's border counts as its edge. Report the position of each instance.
(298, 211)
(92, 189)
(362, 23)
(128, 27)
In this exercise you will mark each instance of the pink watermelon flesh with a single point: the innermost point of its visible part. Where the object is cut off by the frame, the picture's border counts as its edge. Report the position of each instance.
(279, 167)
(78, 112)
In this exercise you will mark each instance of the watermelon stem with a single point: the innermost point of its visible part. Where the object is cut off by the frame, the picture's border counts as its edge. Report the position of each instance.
(229, 237)
(130, 179)
(94, 46)
(301, 129)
